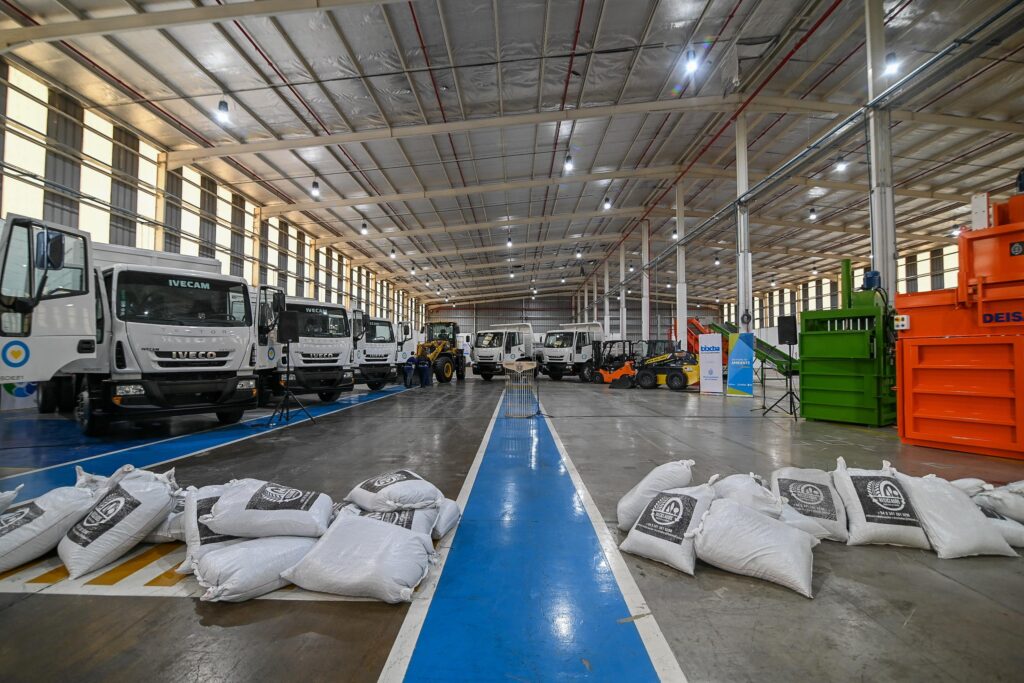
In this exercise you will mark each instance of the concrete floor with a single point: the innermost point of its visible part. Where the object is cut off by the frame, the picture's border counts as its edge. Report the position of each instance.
(879, 613)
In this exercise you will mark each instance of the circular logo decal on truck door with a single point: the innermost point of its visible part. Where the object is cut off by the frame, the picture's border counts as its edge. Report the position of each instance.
(14, 354)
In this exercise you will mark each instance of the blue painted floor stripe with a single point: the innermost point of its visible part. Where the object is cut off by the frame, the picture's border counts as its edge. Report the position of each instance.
(40, 481)
(526, 593)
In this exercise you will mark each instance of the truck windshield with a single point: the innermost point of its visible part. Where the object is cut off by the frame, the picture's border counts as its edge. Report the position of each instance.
(489, 340)
(162, 299)
(379, 332)
(438, 331)
(558, 340)
(320, 321)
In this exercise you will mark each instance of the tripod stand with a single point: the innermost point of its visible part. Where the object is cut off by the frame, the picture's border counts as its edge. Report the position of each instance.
(794, 400)
(283, 411)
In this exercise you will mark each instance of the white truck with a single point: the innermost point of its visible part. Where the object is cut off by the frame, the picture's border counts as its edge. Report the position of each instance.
(408, 338)
(154, 334)
(268, 302)
(498, 344)
(572, 350)
(376, 351)
(320, 361)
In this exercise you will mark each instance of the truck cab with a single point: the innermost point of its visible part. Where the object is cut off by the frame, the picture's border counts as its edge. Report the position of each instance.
(268, 302)
(408, 338)
(320, 361)
(376, 351)
(572, 350)
(495, 345)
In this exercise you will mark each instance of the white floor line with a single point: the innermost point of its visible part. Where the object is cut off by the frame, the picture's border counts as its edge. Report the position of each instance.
(665, 663)
(405, 643)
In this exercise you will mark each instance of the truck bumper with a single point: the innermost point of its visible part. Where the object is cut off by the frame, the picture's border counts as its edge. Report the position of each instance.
(488, 367)
(561, 368)
(316, 380)
(375, 373)
(167, 397)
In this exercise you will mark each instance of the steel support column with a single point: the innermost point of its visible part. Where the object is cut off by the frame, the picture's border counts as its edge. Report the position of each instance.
(682, 310)
(882, 204)
(622, 291)
(744, 263)
(645, 280)
(586, 302)
(595, 296)
(607, 312)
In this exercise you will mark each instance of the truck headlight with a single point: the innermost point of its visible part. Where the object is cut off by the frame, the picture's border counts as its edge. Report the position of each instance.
(130, 390)
(243, 384)
(347, 375)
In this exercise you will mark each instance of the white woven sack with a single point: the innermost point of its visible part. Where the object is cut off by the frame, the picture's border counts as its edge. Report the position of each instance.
(954, 525)
(745, 489)
(970, 485)
(810, 493)
(663, 531)
(421, 520)
(247, 570)
(33, 529)
(1006, 500)
(173, 527)
(738, 539)
(253, 508)
(1013, 532)
(397, 490)
(133, 503)
(878, 510)
(7, 497)
(365, 558)
(672, 475)
(448, 516)
(808, 525)
(199, 538)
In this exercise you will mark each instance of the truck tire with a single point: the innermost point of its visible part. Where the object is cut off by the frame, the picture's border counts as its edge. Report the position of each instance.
(555, 375)
(375, 385)
(230, 417)
(587, 373)
(47, 399)
(486, 376)
(330, 396)
(86, 414)
(460, 371)
(66, 395)
(647, 379)
(444, 369)
(676, 381)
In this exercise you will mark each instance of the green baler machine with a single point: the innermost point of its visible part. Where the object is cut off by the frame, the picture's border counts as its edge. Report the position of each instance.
(848, 359)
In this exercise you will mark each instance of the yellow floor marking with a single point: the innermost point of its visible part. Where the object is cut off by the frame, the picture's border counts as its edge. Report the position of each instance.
(27, 565)
(133, 565)
(169, 578)
(53, 576)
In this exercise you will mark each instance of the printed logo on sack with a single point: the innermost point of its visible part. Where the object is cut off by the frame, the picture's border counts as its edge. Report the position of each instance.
(667, 517)
(19, 517)
(808, 498)
(207, 535)
(103, 516)
(277, 497)
(385, 480)
(14, 354)
(884, 501)
(402, 518)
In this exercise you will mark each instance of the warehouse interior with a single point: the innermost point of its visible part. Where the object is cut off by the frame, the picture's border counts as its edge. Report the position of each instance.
(545, 340)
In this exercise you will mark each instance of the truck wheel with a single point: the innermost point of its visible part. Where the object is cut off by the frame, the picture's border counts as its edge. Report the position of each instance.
(375, 385)
(460, 371)
(555, 375)
(444, 369)
(230, 417)
(676, 381)
(66, 395)
(47, 398)
(330, 396)
(647, 379)
(89, 422)
(486, 376)
(587, 373)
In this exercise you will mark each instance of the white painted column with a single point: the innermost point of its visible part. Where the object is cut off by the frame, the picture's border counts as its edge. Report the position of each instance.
(586, 303)
(622, 291)
(645, 280)
(607, 304)
(682, 306)
(744, 262)
(882, 204)
(595, 297)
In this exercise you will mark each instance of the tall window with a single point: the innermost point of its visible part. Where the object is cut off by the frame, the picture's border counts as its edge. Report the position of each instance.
(264, 249)
(834, 293)
(282, 256)
(805, 291)
(207, 217)
(237, 235)
(819, 291)
(63, 160)
(938, 268)
(3, 108)
(341, 278)
(911, 266)
(300, 263)
(124, 187)
(172, 212)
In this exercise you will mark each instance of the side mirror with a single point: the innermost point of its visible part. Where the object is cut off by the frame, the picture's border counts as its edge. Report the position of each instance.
(279, 302)
(49, 252)
(358, 329)
(406, 333)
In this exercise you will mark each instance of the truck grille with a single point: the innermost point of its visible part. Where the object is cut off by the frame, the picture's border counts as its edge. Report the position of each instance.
(192, 359)
(319, 358)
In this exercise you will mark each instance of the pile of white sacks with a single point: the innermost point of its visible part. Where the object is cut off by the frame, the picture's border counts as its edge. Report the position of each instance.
(746, 526)
(245, 538)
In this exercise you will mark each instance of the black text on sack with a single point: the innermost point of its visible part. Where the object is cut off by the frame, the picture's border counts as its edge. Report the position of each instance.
(667, 517)
(207, 535)
(401, 518)
(808, 498)
(992, 514)
(18, 517)
(884, 501)
(277, 497)
(383, 481)
(103, 516)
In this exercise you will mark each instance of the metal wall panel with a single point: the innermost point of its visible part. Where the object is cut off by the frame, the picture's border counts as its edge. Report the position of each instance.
(124, 192)
(63, 167)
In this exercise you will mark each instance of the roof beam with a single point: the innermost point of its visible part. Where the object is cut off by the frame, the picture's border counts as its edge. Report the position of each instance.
(70, 30)
(612, 237)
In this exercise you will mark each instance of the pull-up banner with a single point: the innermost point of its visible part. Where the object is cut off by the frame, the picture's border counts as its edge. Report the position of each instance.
(711, 364)
(741, 364)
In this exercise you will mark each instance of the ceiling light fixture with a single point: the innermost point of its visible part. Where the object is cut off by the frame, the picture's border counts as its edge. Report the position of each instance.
(392, 252)
(813, 214)
(956, 231)
(814, 271)
(841, 164)
(563, 280)
(413, 271)
(579, 254)
(607, 203)
(363, 229)
(691, 62)
(675, 234)
(568, 162)
(508, 243)
(892, 65)
(223, 115)
(717, 261)
(314, 190)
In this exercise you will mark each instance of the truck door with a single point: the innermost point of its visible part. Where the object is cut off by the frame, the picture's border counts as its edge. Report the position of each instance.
(47, 306)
